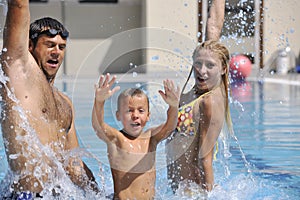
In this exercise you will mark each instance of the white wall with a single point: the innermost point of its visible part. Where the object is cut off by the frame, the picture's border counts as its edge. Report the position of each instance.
(90, 26)
(170, 37)
(281, 26)
(173, 35)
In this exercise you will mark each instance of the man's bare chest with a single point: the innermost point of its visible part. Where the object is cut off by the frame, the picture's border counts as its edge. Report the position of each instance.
(57, 109)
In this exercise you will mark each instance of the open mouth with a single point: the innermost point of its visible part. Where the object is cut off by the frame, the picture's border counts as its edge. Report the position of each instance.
(52, 62)
(136, 124)
(200, 79)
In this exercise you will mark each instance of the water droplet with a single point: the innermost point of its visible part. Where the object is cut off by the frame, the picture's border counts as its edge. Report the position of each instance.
(155, 57)
(13, 156)
(177, 50)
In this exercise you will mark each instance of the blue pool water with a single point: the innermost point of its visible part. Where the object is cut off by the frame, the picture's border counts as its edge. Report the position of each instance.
(265, 152)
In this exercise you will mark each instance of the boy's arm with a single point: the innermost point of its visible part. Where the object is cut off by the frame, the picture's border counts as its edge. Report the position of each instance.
(171, 97)
(215, 20)
(164, 130)
(102, 92)
(102, 129)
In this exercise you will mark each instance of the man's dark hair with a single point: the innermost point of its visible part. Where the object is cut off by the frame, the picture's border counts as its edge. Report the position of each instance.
(42, 24)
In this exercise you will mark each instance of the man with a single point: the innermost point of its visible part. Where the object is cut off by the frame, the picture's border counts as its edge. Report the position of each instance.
(37, 120)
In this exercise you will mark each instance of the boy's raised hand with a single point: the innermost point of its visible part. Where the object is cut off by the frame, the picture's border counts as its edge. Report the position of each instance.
(172, 94)
(103, 89)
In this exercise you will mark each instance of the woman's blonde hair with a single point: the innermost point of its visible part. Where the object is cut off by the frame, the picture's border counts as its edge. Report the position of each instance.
(224, 55)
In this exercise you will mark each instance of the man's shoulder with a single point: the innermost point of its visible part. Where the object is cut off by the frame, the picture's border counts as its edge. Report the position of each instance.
(23, 65)
(63, 97)
(63, 94)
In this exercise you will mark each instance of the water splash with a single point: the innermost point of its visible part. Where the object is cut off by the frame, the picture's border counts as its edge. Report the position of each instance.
(3, 4)
(42, 164)
(134, 74)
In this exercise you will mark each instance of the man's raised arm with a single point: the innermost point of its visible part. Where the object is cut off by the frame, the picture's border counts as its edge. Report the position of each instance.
(215, 20)
(16, 31)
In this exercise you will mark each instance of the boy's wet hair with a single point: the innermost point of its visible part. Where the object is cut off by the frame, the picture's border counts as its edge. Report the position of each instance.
(132, 92)
(43, 24)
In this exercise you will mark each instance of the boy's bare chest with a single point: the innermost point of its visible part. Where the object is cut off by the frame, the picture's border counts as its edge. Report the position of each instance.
(139, 146)
(132, 156)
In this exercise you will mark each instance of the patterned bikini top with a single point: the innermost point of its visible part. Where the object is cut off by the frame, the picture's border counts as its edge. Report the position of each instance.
(185, 123)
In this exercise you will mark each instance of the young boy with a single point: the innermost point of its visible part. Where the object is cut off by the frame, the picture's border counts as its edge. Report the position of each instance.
(131, 151)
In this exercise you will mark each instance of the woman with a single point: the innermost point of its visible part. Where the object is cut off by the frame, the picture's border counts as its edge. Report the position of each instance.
(204, 111)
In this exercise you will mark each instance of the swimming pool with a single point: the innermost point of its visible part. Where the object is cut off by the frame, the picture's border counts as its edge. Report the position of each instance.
(265, 153)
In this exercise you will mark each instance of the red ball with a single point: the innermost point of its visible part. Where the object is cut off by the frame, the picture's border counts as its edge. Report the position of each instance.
(240, 66)
(242, 91)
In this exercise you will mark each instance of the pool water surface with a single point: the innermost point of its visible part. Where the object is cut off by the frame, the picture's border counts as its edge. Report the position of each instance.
(265, 149)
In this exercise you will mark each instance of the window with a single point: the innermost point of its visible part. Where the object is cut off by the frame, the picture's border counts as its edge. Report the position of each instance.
(38, 1)
(98, 1)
